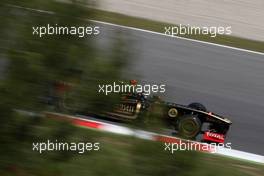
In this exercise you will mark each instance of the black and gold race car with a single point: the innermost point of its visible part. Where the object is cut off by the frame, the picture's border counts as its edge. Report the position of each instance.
(188, 120)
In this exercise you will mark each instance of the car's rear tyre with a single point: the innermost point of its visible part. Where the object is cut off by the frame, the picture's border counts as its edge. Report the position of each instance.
(189, 126)
(197, 106)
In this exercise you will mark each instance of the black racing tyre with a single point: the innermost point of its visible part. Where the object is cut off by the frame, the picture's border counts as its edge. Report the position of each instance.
(189, 126)
(197, 106)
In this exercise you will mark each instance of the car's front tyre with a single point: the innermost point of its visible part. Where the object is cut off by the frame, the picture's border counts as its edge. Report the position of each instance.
(189, 126)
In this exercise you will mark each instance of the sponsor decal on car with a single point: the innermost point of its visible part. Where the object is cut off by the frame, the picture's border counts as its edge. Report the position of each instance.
(214, 137)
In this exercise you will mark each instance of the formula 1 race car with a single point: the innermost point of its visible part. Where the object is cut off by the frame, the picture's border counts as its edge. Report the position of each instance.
(188, 121)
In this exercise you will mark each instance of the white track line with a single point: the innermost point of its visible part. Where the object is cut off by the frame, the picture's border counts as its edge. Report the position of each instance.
(182, 38)
(240, 155)
(147, 31)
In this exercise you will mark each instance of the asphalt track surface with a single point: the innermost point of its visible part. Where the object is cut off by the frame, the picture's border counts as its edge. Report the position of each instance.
(229, 82)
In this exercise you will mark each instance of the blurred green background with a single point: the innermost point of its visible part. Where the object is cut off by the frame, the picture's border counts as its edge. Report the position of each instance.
(33, 66)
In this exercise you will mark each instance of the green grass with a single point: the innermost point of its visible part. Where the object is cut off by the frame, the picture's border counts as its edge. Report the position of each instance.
(159, 27)
(123, 155)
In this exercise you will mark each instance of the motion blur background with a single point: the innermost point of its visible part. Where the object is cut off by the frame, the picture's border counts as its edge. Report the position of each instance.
(30, 68)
